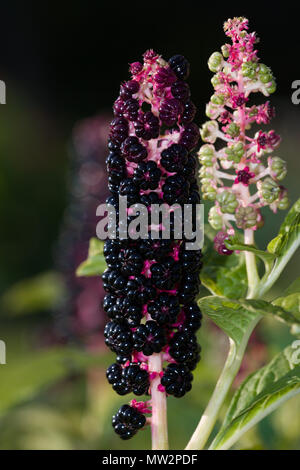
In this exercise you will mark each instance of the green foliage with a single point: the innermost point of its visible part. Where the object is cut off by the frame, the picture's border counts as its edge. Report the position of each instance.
(95, 264)
(222, 275)
(261, 393)
(26, 376)
(33, 295)
(230, 315)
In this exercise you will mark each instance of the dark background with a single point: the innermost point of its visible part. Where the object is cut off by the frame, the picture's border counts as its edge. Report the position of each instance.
(63, 62)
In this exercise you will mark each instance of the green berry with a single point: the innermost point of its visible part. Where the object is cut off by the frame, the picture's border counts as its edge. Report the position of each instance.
(215, 62)
(227, 201)
(225, 51)
(206, 155)
(215, 81)
(215, 219)
(269, 190)
(278, 168)
(246, 217)
(271, 88)
(233, 130)
(208, 192)
(209, 131)
(235, 152)
(217, 99)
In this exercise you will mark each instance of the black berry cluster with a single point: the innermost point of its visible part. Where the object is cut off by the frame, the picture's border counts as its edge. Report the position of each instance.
(152, 282)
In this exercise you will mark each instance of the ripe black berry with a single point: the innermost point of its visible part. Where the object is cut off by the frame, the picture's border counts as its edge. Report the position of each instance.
(164, 309)
(181, 91)
(128, 89)
(175, 190)
(131, 262)
(189, 113)
(129, 189)
(140, 290)
(180, 66)
(166, 273)
(147, 175)
(169, 111)
(118, 338)
(185, 349)
(149, 338)
(131, 108)
(118, 130)
(147, 126)
(133, 150)
(127, 421)
(155, 249)
(177, 380)
(174, 158)
(190, 136)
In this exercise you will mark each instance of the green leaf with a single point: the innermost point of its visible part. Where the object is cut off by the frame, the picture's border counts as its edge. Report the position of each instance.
(261, 393)
(223, 275)
(229, 315)
(233, 243)
(283, 246)
(234, 316)
(36, 294)
(95, 263)
(25, 377)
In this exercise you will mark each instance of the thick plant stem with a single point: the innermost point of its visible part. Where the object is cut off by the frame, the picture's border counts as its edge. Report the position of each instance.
(159, 427)
(251, 267)
(226, 378)
(232, 364)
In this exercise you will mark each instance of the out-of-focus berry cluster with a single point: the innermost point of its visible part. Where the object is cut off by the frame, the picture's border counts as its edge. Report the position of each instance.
(152, 283)
(243, 175)
(78, 315)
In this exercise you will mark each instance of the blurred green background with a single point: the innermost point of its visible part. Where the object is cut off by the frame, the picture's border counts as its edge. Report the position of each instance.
(63, 67)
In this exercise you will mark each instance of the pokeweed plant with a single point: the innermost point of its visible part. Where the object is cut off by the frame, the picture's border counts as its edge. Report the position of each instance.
(240, 177)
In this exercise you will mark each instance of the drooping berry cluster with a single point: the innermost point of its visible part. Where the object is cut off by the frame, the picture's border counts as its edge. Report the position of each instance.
(152, 282)
(255, 182)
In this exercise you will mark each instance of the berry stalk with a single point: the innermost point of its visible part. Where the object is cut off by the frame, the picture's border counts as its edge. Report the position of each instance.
(152, 277)
(238, 73)
(159, 426)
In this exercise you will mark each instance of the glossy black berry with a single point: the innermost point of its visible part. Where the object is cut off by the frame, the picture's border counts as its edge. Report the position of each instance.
(166, 273)
(189, 113)
(177, 380)
(169, 111)
(124, 311)
(136, 378)
(130, 190)
(175, 190)
(165, 309)
(174, 158)
(118, 130)
(114, 377)
(118, 337)
(192, 318)
(189, 287)
(128, 89)
(149, 338)
(185, 349)
(180, 90)
(155, 249)
(133, 150)
(140, 290)
(190, 136)
(164, 77)
(180, 66)
(127, 421)
(131, 262)
(131, 108)
(147, 175)
(147, 126)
